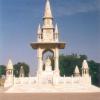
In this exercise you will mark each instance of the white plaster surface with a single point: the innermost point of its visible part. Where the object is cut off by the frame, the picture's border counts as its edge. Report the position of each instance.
(52, 89)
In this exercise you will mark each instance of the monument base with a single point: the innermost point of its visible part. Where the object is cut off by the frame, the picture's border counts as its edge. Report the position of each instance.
(48, 88)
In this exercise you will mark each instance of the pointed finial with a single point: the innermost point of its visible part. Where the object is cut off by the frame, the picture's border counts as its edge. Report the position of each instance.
(47, 12)
(56, 29)
(10, 64)
(77, 70)
(85, 64)
(39, 29)
(21, 67)
(21, 71)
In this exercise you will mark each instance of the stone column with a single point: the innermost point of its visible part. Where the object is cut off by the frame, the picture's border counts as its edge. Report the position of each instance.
(40, 61)
(40, 64)
(57, 60)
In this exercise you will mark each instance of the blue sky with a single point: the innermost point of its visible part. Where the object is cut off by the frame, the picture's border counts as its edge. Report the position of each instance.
(78, 22)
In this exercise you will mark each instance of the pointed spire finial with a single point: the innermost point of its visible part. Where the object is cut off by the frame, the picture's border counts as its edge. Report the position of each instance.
(21, 71)
(47, 12)
(77, 70)
(85, 64)
(39, 29)
(56, 29)
(10, 64)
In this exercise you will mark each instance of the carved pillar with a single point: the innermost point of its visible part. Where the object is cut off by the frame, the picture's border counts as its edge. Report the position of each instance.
(57, 60)
(40, 61)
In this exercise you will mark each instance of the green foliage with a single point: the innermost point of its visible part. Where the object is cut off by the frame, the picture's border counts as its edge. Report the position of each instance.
(82, 57)
(17, 69)
(68, 63)
(2, 70)
(67, 66)
(95, 72)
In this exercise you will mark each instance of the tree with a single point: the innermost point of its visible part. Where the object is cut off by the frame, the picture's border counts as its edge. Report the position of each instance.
(2, 70)
(95, 72)
(68, 63)
(17, 69)
(82, 57)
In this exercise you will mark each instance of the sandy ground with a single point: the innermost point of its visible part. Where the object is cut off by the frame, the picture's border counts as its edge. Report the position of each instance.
(50, 96)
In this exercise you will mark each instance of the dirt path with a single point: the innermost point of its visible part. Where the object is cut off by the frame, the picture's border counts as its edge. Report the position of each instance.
(50, 96)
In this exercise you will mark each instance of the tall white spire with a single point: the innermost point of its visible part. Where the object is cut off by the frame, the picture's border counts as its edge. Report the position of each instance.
(85, 65)
(21, 74)
(39, 34)
(56, 33)
(85, 68)
(9, 75)
(39, 29)
(47, 13)
(56, 29)
(10, 64)
(76, 70)
(47, 28)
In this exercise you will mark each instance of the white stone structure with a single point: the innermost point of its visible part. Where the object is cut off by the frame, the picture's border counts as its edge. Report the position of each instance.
(48, 79)
(9, 75)
(21, 74)
(76, 72)
(47, 40)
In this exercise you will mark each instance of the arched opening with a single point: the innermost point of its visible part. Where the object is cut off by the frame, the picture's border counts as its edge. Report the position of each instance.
(48, 53)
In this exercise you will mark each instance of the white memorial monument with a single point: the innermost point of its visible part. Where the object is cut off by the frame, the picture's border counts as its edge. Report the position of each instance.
(48, 79)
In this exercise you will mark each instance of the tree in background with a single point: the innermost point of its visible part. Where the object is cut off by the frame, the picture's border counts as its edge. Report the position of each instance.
(67, 64)
(2, 70)
(17, 69)
(95, 72)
